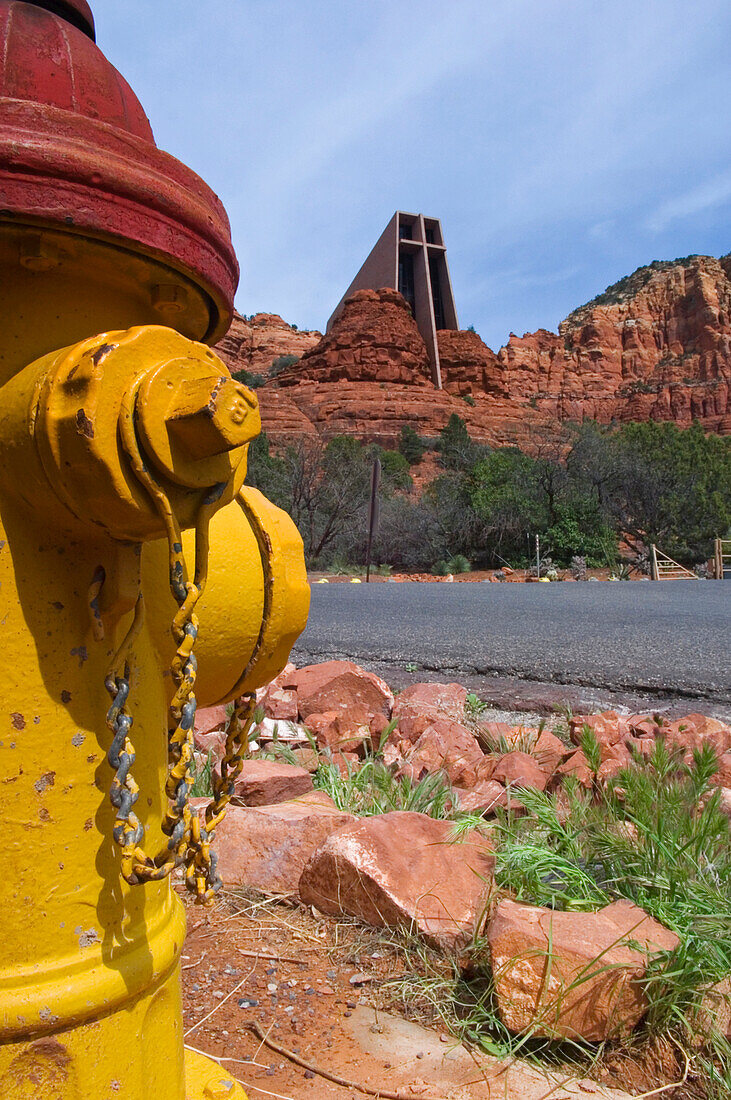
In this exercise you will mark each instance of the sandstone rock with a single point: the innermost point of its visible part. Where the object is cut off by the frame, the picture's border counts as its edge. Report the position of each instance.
(450, 747)
(279, 729)
(311, 678)
(280, 703)
(330, 735)
(725, 802)
(492, 735)
(573, 975)
(654, 347)
(254, 343)
(375, 339)
(611, 767)
(347, 763)
(377, 727)
(642, 725)
(211, 744)
(344, 688)
(394, 757)
(518, 769)
(208, 719)
(722, 778)
(714, 1014)
(401, 870)
(467, 773)
(578, 766)
(549, 752)
(609, 728)
(696, 730)
(468, 365)
(264, 782)
(421, 704)
(485, 798)
(306, 757)
(266, 847)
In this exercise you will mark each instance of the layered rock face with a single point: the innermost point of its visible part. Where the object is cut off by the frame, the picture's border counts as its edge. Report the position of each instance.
(253, 343)
(655, 346)
(374, 340)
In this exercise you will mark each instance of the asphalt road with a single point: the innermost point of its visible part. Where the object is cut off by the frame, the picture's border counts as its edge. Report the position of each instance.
(670, 637)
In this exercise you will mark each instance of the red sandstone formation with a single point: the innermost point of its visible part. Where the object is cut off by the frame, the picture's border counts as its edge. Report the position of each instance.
(375, 339)
(253, 343)
(655, 346)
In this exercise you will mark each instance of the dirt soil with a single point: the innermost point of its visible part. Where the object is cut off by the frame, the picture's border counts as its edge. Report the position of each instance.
(331, 993)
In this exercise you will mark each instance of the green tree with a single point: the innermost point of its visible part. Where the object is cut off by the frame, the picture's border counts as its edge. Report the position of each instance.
(670, 486)
(507, 497)
(579, 528)
(281, 363)
(395, 476)
(456, 448)
(268, 473)
(411, 445)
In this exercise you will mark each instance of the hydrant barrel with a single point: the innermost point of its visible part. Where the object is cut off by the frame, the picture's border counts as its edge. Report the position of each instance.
(123, 444)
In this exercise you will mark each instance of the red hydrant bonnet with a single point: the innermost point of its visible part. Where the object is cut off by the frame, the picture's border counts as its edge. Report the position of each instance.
(77, 153)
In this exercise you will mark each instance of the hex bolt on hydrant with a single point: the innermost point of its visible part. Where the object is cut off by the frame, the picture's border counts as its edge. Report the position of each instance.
(136, 573)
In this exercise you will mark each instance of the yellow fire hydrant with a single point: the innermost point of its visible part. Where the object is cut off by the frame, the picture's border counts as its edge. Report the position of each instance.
(137, 575)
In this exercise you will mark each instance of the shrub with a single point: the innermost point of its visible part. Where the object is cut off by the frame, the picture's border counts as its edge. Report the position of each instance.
(455, 445)
(411, 445)
(580, 529)
(253, 381)
(655, 836)
(457, 564)
(281, 363)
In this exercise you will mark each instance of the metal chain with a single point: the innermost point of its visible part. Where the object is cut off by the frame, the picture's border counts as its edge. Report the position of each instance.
(201, 875)
(190, 838)
(137, 866)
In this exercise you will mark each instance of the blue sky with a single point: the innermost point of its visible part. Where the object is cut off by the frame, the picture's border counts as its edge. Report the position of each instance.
(563, 143)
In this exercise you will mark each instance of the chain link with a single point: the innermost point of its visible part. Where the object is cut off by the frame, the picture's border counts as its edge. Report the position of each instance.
(189, 837)
(128, 833)
(201, 875)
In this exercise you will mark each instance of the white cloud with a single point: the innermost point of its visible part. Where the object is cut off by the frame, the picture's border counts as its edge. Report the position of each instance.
(705, 196)
(556, 139)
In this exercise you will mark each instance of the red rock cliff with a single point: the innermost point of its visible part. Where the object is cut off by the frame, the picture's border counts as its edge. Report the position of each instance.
(253, 343)
(656, 345)
(375, 339)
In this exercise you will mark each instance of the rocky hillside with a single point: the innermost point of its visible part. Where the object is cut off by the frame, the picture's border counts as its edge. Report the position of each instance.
(253, 343)
(656, 345)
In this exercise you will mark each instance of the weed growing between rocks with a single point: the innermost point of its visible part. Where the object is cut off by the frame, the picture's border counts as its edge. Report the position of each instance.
(370, 787)
(373, 789)
(603, 930)
(203, 778)
(656, 837)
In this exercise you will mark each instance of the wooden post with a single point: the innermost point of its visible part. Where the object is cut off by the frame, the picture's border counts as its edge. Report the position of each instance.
(717, 560)
(373, 514)
(655, 573)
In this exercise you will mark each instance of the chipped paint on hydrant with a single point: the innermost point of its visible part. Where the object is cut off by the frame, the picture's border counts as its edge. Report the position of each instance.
(123, 444)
